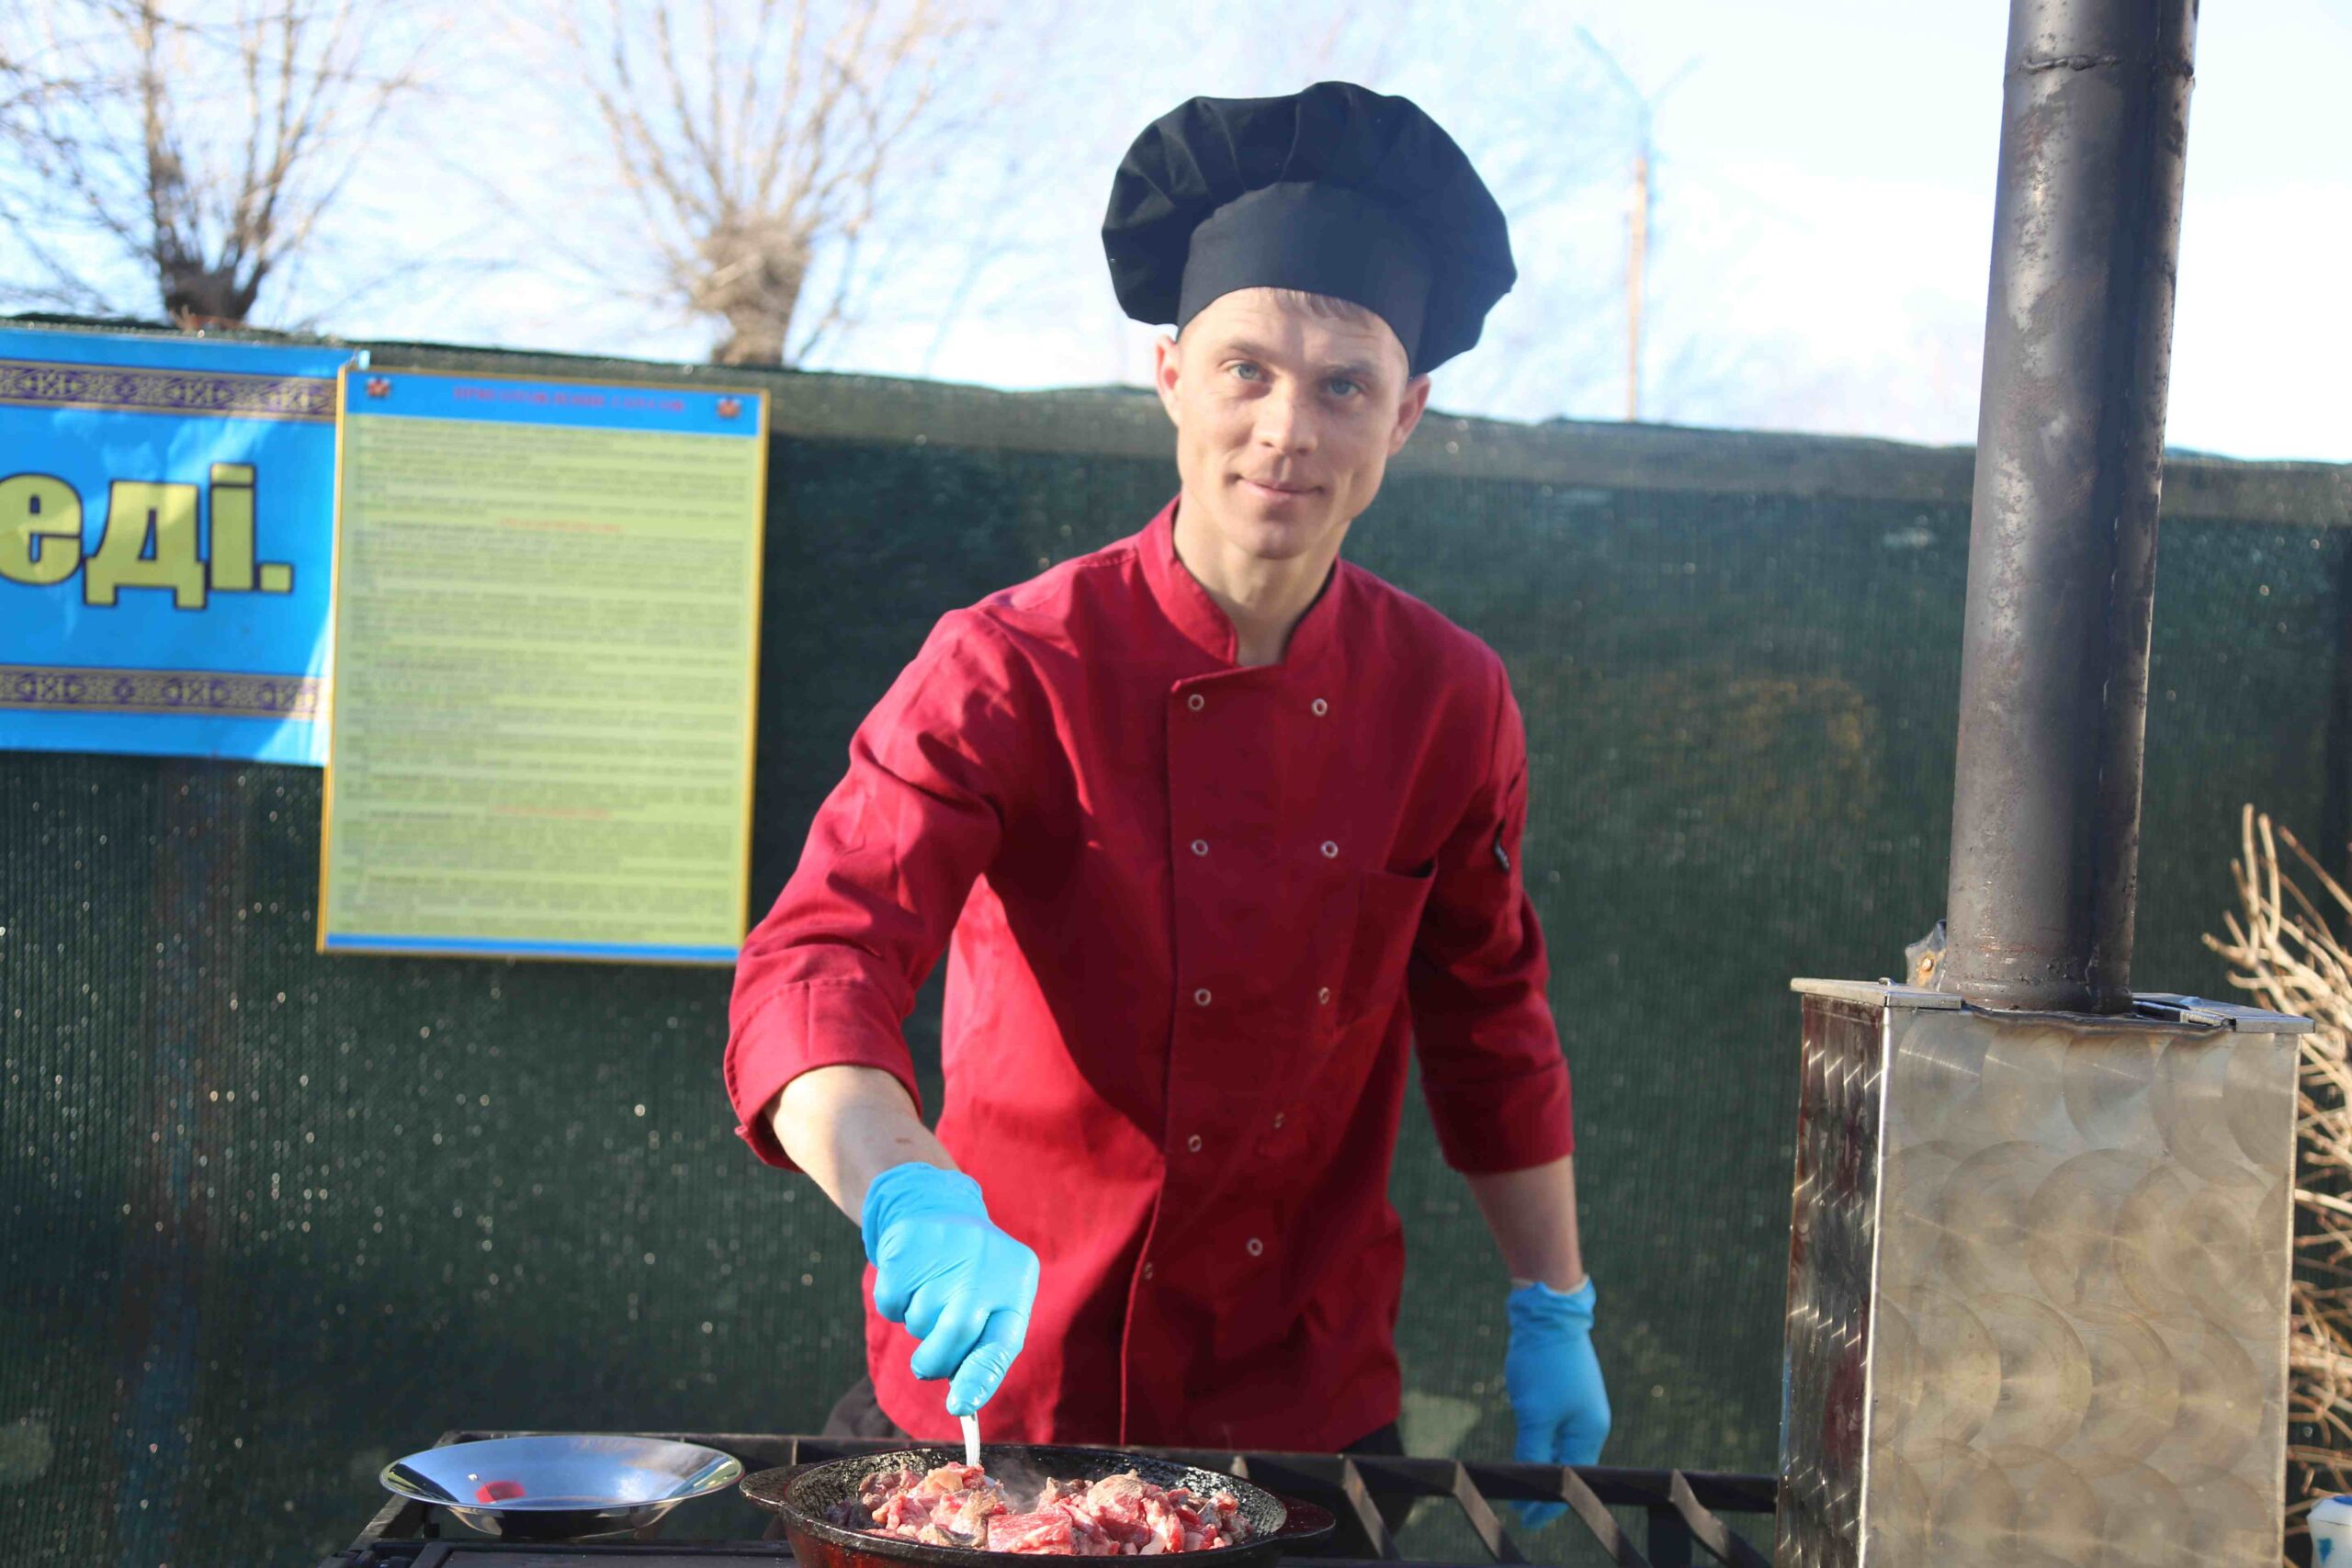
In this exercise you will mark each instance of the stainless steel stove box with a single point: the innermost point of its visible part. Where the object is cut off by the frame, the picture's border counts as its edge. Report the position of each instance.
(2038, 1277)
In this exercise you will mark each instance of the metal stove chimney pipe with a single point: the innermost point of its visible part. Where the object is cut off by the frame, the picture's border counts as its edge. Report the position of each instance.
(2054, 693)
(2040, 1243)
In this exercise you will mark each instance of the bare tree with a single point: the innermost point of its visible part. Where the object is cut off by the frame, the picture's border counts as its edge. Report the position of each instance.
(184, 155)
(760, 142)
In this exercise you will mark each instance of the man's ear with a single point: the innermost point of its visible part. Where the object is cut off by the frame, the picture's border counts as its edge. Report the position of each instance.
(1409, 410)
(1166, 364)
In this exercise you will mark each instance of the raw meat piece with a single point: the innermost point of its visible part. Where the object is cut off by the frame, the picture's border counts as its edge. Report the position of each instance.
(1047, 1532)
(1119, 1516)
(947, 1506)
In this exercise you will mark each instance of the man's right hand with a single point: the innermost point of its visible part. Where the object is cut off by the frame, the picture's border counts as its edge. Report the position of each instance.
(960, 1285)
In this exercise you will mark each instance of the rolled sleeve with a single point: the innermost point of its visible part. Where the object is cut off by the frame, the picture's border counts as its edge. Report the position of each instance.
(1491, 1065)
(799, 1027)
(829, 977)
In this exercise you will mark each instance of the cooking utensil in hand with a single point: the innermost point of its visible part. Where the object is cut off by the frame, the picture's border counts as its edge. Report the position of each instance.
(971, 1440)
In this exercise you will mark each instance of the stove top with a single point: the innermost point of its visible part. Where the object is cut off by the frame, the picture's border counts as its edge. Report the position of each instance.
(1682, 1515)
(493, 1554)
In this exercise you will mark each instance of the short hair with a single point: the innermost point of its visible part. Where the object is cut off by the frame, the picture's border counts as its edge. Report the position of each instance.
(1331, 308)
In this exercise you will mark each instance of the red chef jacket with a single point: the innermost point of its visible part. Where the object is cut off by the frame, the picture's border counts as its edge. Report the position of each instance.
(1199, 914)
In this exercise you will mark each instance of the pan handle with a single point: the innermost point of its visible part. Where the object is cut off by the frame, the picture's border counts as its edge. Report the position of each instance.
(771, 1486)
(1303, 1519)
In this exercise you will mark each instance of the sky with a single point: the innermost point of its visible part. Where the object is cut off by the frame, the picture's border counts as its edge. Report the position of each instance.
(1823, 178)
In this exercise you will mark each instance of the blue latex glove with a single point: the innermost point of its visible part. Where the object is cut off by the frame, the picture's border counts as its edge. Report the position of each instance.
(1553, 1381)
(960, 1285)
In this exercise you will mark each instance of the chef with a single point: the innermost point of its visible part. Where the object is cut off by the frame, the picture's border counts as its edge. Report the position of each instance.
(1215, 828)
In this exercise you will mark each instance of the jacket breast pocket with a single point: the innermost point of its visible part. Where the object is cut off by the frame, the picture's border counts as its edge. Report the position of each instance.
(1388, 916)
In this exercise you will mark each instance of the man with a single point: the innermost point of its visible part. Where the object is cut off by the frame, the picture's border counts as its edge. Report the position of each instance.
(1214, 827)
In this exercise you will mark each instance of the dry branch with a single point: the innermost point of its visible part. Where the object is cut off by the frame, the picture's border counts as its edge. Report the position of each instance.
(182, 155)
(756, 140)
(2283, 946)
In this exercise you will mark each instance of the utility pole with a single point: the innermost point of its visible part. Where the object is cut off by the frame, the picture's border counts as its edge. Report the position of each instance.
(1637, 218)
(1637, 268)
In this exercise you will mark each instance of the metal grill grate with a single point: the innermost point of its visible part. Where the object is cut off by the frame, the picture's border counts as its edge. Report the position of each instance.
(1682, 1510)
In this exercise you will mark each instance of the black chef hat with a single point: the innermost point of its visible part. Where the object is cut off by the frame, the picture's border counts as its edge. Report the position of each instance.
(1335, 190)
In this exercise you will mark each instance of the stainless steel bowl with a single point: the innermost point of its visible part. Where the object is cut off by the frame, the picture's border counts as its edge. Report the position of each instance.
(561, 1486)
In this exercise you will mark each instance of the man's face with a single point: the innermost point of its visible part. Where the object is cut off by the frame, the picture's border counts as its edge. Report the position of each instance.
(1286, 420)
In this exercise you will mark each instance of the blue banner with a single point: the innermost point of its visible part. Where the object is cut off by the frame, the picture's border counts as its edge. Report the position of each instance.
(500, 400)
(166, 544)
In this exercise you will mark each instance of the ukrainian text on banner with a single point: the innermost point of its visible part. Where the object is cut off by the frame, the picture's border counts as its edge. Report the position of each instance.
(547, 615)
(166, 535)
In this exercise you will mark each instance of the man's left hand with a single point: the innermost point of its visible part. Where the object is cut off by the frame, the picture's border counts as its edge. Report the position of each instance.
(1553, 1381)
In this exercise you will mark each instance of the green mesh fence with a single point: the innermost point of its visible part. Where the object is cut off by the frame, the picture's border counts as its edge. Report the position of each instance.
(269, 1219)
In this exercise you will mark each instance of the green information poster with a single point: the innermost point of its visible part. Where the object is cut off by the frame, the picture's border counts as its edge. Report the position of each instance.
(546, 628)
